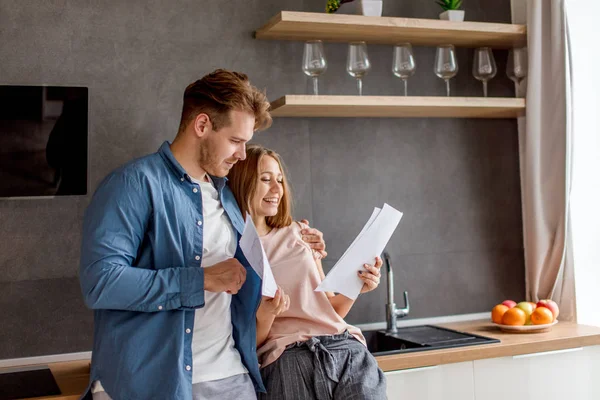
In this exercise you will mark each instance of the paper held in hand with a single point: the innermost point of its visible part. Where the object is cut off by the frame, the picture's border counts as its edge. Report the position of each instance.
(370, 242)
(255, 254)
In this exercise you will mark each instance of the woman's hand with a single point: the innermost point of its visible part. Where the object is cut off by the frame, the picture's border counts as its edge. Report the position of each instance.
(268, 310)
(371, 276)
(275, 306)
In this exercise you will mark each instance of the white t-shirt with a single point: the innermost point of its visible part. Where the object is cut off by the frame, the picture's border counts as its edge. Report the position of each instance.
(214, 354)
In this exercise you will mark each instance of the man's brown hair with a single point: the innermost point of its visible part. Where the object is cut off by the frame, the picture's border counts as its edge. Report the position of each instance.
(243, 179)
(220, 92)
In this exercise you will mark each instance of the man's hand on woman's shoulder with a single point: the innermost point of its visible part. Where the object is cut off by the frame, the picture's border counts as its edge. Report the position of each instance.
(314, 238)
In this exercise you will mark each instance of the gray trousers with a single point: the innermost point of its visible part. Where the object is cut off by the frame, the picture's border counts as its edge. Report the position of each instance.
(324, 368)
(237, 387)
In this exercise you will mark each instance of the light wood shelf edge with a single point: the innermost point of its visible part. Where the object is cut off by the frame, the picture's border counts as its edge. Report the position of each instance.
(300, 26)
(397, 107)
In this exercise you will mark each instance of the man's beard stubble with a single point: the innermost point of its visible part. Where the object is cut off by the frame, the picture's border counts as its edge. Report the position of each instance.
(208, 159)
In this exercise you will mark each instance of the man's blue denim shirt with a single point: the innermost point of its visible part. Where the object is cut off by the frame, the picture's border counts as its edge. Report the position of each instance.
(142, 234)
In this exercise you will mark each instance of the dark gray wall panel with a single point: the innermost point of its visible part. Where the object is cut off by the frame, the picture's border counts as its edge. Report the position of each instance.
(458, 248)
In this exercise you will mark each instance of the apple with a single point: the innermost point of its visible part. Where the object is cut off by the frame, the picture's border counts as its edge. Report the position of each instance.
(528, 308)
(551, 305)
(533, 304)
(509, 303)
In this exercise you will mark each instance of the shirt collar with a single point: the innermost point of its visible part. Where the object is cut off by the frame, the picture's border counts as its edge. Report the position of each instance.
(167, 155)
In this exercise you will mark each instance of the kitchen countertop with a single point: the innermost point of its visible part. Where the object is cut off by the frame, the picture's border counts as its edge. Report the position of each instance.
(72, 377)
(563, 335)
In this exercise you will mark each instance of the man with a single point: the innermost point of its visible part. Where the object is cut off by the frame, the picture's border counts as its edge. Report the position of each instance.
(164, 327)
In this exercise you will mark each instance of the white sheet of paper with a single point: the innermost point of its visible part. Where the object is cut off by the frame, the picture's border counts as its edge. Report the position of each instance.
(255, 254)
(369, 243)
(369, 222)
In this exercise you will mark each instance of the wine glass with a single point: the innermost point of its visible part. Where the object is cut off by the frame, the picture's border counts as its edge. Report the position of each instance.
(314, 62)
(484, 66)
(403, 65)
(516, 67)
(446, 67)
(358, 63)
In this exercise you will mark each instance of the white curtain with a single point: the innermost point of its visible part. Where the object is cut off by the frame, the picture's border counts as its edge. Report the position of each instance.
(545, 160)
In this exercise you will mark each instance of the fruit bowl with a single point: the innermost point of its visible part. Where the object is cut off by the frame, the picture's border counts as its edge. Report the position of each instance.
(526, 328)
(525, 316)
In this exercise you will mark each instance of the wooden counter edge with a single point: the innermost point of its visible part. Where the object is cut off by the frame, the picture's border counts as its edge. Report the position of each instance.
(564, 335)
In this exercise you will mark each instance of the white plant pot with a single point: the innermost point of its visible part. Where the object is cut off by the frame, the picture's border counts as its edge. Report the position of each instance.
(370, 8)
(453, 15)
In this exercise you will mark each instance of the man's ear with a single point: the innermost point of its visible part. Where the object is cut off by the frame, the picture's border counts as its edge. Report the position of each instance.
(202, 125)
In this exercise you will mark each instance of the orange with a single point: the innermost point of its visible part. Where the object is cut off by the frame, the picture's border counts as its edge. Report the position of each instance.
(514, 316)
(542, 315)
(497, 313)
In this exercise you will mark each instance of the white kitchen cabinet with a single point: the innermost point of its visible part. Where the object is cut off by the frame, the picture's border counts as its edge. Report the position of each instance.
(570, 374)
(440, 382)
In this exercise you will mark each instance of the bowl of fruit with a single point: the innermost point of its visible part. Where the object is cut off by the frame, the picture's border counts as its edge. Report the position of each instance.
(526, 316)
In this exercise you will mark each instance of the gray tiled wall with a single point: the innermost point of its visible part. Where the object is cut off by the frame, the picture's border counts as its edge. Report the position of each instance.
(458, 248)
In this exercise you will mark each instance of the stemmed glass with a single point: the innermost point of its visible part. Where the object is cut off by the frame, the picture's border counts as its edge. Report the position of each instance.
(358, 63)
(314, 62)
(446, 67)
(403, 65)
(516, 67)
(484, 66)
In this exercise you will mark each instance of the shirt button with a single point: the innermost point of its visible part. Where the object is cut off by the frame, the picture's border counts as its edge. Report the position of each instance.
(199, 223)
(195, 190)
(160, 307)
(188, 330)
(187, 367)
(197, 258)
(182, 179)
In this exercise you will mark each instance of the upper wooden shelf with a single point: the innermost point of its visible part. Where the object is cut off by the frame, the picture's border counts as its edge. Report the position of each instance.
(302, 26)
(395, 106)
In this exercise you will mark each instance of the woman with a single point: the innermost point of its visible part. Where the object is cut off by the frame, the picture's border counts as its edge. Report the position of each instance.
(306, 349)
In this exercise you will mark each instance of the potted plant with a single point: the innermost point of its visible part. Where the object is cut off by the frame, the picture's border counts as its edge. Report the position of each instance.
(371, 8)
(451, 10)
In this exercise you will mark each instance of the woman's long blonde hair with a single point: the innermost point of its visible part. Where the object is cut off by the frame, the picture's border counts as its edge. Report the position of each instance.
(243, 179)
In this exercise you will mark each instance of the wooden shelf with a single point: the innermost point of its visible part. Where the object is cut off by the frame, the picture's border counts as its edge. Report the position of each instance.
(302, 26)
(397, 107)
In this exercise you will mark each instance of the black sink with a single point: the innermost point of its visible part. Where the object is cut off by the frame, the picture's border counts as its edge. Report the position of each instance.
(420, 338)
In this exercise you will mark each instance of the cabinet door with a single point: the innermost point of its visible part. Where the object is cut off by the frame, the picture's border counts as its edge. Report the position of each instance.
(554, 375)
(440, 382)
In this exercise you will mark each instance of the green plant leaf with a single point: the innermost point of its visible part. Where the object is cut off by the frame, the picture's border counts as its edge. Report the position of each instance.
(443, 5)
(332, 6)
(455, 4)
(448, 5)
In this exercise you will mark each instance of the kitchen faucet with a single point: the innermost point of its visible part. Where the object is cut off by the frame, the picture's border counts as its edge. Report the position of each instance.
(391, 312)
